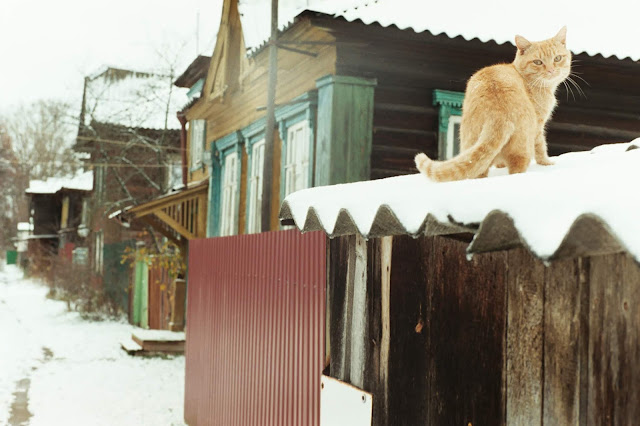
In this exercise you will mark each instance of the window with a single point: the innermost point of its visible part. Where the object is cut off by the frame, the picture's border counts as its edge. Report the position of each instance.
(228, 218)
(450, 112)
(453, 136)
(198, 130)
(296, 166)
(255, 187)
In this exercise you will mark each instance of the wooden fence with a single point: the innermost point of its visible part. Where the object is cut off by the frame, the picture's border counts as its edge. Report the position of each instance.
(500, 339)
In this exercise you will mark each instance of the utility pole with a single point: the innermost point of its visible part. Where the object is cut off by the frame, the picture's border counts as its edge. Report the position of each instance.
(267, 176)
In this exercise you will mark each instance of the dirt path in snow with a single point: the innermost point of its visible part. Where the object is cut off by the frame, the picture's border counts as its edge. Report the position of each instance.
(19, 414)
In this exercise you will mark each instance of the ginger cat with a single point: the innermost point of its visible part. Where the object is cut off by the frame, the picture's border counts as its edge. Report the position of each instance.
(504, 112)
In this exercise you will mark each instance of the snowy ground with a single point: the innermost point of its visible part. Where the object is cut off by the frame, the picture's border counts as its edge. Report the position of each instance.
(72, 371)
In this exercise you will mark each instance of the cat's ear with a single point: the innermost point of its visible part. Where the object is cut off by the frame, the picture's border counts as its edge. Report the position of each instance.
(561, 37)
(522, 44)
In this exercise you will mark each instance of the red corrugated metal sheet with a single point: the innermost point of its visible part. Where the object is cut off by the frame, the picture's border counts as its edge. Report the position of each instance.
(255, 329)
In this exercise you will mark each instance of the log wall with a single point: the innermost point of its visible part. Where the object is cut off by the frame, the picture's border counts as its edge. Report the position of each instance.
(408, 66)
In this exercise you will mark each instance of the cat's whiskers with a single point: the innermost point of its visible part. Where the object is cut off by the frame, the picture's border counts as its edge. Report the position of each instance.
(577, 75)
(568, 90)
(575, 84)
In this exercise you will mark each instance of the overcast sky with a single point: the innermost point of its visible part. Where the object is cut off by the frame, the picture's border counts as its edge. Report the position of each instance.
(47, 47)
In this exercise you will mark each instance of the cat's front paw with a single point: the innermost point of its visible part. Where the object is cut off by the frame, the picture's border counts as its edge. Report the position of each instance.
(546, 161)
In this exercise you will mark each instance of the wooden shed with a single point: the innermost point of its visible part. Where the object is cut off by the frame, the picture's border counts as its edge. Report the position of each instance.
(508, 300)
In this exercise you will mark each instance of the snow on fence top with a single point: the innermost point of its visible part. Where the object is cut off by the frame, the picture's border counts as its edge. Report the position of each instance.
(587, 203)
(82, 181)
(445, 18)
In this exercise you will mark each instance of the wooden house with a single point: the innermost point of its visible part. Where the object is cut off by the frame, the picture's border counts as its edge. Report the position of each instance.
(475, 302)
(179, 215)
(132, 141)
(59, 221)
(357, 100)
(130, 134)
(359, 92)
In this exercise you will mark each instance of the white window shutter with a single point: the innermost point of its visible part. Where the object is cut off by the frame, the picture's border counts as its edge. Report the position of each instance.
(255, 187)
(297, 158)
(229, 195)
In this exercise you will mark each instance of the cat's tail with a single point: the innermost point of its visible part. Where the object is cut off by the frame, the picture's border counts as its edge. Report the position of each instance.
(472, 162)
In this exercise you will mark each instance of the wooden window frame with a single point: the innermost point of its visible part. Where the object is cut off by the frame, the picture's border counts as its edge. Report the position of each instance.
(303, 109)
(229, 195)
(221, 149)
(449, 105)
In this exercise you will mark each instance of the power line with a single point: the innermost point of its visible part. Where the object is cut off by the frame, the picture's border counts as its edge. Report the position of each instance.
(106, 164)
(115, 142)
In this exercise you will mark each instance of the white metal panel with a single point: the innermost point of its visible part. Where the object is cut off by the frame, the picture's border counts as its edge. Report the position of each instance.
(342, 404)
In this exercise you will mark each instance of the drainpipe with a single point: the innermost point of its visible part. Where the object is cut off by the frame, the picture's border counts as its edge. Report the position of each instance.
(183, 145)
(267, 171)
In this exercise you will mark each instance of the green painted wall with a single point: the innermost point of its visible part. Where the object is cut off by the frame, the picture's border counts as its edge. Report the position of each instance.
(344, 129)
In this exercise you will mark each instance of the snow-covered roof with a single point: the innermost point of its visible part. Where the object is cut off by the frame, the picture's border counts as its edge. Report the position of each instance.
(133, 99)
(588, 202)
(82, 181)
(462, 19)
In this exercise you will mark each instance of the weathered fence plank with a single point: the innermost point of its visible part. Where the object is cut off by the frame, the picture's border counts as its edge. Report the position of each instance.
(337, 283)
(565, 321)
(408, 359)
(359, 312)
(614, 341)
(524, 338)
(466, 318)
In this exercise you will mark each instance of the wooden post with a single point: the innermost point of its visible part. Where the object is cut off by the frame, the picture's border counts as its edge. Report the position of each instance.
(267, 176)
(382, 395)
(359, 312)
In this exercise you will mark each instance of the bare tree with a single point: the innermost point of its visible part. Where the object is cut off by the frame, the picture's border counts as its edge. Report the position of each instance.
(35, 143)
(125, 126)
(42, 134)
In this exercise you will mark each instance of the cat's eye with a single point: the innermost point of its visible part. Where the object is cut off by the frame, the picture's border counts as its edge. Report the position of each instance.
(537, 62)
(557, 58)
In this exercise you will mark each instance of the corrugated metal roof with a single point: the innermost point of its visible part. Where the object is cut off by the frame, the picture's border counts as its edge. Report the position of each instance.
(586, 203)
(616, 33)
